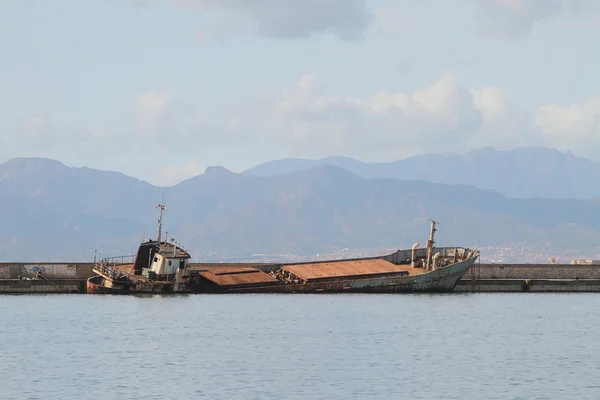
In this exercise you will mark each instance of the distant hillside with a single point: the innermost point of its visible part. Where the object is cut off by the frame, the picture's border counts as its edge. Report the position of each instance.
(51, 211)
(520, 173)
(51, 184)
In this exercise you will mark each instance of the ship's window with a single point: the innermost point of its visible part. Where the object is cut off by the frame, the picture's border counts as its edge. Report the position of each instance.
(155, 259)
(169, 262)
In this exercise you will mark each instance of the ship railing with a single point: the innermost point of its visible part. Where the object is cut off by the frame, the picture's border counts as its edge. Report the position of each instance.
(108, 268)
(129, 259)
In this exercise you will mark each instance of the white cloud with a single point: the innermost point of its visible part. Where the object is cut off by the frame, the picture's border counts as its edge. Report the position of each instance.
(385, 124)
(503, 122)
(516, 18)
(141, 3)
(575, 127)
(174, 173)
(225, 28)
(294, 19)
(391, 21)
(37, 136)
(35, 132)
(150, 109)
(582, 6)
(303, 120)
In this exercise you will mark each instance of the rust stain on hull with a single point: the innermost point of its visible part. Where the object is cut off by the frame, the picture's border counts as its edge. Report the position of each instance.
(97, 285)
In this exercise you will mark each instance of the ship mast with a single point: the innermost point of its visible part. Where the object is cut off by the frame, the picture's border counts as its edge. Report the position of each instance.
(161, 208)
(430, 243)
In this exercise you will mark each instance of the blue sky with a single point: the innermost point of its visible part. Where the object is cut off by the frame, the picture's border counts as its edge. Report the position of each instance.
(161, 89)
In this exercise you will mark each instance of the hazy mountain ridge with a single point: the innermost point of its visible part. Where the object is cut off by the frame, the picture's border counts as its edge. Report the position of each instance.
(51, 211)
(65, 189)
(519, 173)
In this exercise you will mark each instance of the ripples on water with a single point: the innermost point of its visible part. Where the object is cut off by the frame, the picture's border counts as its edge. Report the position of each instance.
(461, 346)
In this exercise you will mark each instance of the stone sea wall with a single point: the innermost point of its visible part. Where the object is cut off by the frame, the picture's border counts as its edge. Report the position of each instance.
(532, 271)
(49, 270)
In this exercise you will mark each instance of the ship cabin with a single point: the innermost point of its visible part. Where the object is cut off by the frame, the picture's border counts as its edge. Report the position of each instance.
(160, 261)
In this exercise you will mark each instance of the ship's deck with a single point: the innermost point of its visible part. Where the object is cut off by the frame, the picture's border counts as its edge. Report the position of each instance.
(313, 265)
(229, 276)
(238, 276)
(349, 269)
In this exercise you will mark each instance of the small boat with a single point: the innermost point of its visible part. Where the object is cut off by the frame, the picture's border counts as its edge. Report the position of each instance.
(161, 266)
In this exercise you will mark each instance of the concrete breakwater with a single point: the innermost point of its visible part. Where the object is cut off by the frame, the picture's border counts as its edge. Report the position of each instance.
(51, 270)
(530, 278)
(44, 277)
(528, 285)
(532, 271)
(42, 286)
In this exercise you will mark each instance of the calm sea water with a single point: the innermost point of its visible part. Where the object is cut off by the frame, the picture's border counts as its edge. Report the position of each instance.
(460, 346)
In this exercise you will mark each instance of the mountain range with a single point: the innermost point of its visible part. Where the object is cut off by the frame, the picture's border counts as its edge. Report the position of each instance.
(298, 208)
(518, 173)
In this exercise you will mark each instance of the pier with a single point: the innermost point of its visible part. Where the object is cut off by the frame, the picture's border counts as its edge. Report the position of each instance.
(44, 277)
(530, 278)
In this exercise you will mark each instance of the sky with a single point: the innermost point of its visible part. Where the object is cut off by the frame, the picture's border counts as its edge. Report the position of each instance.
(161, 89)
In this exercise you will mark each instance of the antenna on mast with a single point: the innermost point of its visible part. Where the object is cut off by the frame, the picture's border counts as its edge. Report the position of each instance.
(158, 187)
(162, 208)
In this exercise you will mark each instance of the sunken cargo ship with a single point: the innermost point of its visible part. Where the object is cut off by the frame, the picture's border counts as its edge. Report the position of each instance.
(161, 266)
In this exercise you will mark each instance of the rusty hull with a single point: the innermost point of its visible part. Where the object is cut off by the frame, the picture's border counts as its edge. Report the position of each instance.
(109, 282)
(96, 285)
(440, 280)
